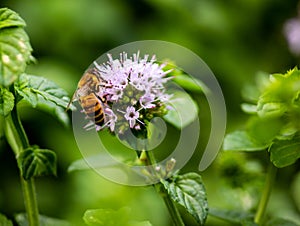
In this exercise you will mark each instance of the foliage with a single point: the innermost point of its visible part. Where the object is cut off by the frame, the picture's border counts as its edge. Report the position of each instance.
(44, 94)
(7, 99)
(188, 190)
(22, 220)
(235, 40)
(15, 53)
(108, 217)
(183, 110)
(4, 221)
(36, 162)
(236, 217)
(274, 124)
(14, 46)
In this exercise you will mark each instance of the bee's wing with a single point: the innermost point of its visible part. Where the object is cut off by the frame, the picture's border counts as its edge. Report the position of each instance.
(82, 91)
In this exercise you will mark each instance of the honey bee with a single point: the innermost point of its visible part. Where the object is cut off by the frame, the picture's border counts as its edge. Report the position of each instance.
(86, 94)
(93, 108)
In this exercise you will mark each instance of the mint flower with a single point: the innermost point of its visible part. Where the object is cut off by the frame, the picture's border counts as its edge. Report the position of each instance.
(292, 34)
(131, 115)
(132, 90)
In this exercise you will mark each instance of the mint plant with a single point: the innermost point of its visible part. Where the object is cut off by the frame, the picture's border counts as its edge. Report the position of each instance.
(16, 86)
(133, 92)
(273, 126)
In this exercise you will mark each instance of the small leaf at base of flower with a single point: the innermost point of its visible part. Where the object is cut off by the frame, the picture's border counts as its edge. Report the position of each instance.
(36, 162)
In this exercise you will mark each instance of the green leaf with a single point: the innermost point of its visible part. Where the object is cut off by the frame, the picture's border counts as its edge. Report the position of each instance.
(189, 83)
(15, 49)
(9, 18)
(288, 131)
(251, 92)
(285, 152)
(4, 221)
(141, 223)
(271, 109)
(183, 110)
(36, 162)
(249, 108)
(56, 111)
(109, 217)
(233, 216)
(15, 52)
(7, 101)
(242, 141)
(264, 130)
(188, 190)
(278, 96)
(32, 87)
(21, 219)
(45, 95)
(95, 161)
(281, 222)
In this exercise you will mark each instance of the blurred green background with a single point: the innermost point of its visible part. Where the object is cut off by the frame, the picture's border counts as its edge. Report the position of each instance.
(236, 38)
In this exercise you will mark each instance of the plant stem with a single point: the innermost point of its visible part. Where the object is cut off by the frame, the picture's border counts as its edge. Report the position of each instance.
(159, 187)
(270, 179)
(14, 132)
(175, 215)
(30, 201)
(18, 141)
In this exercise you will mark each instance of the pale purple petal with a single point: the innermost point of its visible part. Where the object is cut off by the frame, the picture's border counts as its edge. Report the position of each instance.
(146, 101)
(131, 116)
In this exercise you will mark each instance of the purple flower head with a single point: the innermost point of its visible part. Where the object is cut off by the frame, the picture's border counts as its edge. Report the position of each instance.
(132, 90)
(292, 34)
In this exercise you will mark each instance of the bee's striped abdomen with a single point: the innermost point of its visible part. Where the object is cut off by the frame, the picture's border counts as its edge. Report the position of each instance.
(93, 108)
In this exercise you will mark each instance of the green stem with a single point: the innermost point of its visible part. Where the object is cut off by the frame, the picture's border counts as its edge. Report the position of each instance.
(14, 132)
(30, 201)
(18, 141)
(175, 215)
(270, 179)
